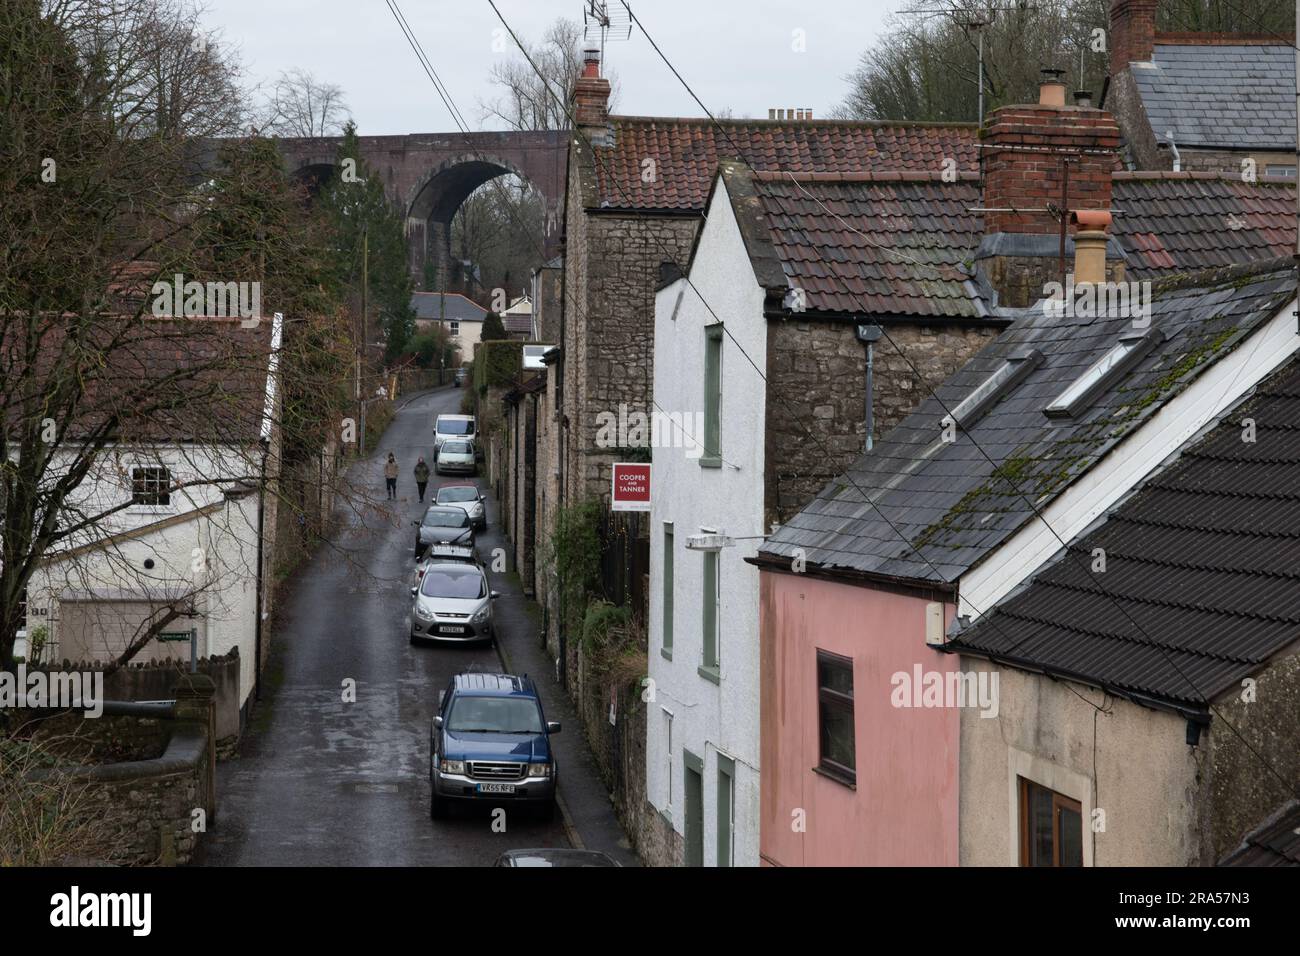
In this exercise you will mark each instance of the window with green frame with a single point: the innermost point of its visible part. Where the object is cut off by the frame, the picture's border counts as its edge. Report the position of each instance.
(667, 648)
(712, 457)
(711, 665)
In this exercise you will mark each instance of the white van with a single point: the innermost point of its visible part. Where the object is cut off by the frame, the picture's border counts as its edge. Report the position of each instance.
(452, 426)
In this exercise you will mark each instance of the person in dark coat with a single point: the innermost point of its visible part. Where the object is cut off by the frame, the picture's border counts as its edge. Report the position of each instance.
(421, 477)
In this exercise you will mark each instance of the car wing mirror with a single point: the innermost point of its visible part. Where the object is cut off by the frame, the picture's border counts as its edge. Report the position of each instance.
(437, 722)
(413, 590)
(494, 595)
(552, 726)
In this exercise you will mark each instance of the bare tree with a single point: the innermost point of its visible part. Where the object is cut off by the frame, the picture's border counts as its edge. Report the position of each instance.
(925, 67)
(157, 71)
(103, 404)
(301, 105)
(531, 102)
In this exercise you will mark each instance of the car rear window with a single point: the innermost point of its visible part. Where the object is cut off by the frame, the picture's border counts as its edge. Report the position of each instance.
(445, 519)
(495, 715)
(457, 494)
(455, 448)
(460, 583)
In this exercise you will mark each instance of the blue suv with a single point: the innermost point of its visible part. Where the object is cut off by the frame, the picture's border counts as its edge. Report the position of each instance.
(491, 741)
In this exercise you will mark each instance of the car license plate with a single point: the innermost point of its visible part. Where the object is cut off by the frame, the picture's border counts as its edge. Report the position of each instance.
(451, 629)
(496, 788)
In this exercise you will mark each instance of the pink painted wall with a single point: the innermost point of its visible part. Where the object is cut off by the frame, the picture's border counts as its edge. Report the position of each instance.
(904, 810)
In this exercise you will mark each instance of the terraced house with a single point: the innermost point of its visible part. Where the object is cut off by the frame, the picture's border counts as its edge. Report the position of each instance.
(883, 257)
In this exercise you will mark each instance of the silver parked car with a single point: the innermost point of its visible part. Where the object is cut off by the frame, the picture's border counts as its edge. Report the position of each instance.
(456, 456)
(467, 496)
(452, 602)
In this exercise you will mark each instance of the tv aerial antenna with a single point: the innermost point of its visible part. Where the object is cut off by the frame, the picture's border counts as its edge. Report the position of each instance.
(599, 24)
(976, 19)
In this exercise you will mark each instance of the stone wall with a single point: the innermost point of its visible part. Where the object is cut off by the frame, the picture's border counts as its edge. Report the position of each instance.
(656, 840)
(619, 749)
(547, 494)
(1243, 791)
(611, 272)
(817, 381)
(154, 799)
(155, 681)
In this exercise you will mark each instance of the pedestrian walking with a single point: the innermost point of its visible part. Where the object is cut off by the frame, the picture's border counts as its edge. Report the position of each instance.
(421, 477)
(390, 476)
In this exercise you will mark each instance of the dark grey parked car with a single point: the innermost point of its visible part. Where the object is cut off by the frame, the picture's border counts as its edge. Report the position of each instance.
(442, 525)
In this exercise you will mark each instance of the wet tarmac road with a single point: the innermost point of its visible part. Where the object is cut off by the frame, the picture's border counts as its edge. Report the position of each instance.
(322, 782)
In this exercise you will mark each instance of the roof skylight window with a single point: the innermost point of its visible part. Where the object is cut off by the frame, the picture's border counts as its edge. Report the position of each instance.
(1103, 373)
(990, 391)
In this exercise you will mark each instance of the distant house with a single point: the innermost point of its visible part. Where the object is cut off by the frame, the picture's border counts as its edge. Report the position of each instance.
(462, 318)
(1201, 101)
(518, 319)
(546, 291)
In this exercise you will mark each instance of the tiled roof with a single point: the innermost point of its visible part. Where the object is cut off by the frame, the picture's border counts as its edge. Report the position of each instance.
(858, 244)
(1182, 222)
(167, 379)
(1276, 842)
(1221, 96)
(685, 154)
(446, 306)
(901, 243)
(1201, 586)
(946, 505)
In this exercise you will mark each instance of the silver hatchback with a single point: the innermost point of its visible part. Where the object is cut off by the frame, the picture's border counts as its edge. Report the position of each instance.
(451, 602)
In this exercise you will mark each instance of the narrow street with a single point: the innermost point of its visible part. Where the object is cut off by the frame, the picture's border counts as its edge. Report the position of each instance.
(321, 782)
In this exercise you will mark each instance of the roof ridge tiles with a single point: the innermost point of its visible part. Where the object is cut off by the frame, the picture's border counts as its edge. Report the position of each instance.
(764, 121)
(1218, 275)
(864, 176)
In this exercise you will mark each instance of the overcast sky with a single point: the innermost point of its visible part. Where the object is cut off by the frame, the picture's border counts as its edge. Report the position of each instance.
(736, 54)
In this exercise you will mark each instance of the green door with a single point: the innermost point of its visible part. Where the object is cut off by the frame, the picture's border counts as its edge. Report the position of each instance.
(726, 807)
(694, 809)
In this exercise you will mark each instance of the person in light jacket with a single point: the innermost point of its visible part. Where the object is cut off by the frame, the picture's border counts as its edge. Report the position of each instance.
(421, 477)
(390, 476)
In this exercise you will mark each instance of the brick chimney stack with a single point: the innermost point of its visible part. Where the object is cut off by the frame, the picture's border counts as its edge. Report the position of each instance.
(591, 95)
(1132, 32)
(1029, 152)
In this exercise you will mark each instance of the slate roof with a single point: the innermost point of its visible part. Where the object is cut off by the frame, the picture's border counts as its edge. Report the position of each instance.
(902, 243)
(946, 506)
(1201, 586)
(1276, 842)
(448, 307)
(1181, 222)
(1221, 96)
(686, 154)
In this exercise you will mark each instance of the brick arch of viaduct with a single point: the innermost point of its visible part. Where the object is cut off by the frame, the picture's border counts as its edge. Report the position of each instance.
(427, 176)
